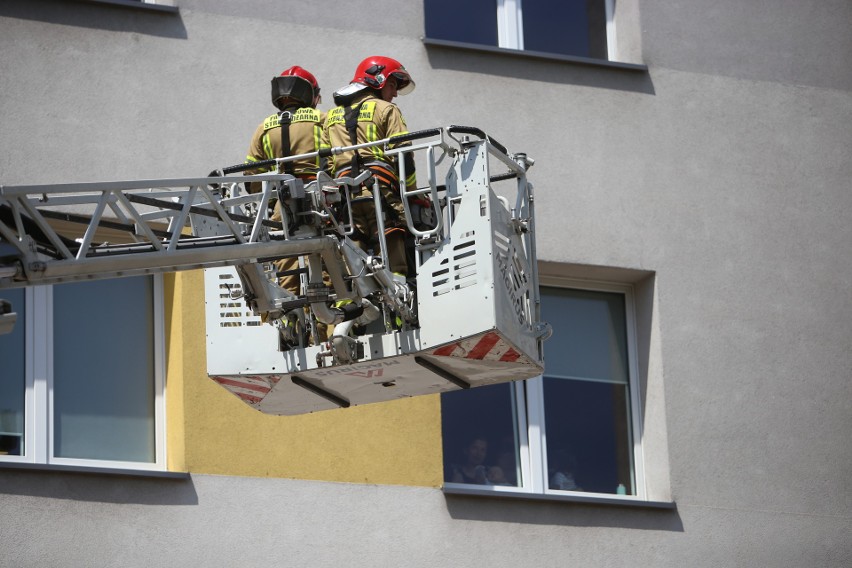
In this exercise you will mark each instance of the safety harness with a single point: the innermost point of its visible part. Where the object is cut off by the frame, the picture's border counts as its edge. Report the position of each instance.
(386, 175)
(379, 171)
(351, 121)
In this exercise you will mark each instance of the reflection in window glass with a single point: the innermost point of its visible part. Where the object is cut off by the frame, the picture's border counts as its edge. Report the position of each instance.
(568, 27)
(13, 378)
(587, 429)
(480, 436)
(586, 392)
(471, 21)
(104, 378)
(590, 329)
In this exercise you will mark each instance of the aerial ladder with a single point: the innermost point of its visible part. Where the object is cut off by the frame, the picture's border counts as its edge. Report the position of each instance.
(470, 317)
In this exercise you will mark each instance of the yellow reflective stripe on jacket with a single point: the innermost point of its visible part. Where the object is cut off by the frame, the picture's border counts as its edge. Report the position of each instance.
(372, 136)
(267, 146)
(318, 143)
(306, 114)
(368, 110)
(335, 116)
(271, 122)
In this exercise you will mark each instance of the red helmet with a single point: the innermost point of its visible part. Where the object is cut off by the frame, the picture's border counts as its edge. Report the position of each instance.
(296, 83)
(296, 71)
(374, 71)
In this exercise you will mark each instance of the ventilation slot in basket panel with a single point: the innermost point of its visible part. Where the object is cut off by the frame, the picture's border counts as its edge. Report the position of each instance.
(459, 271)
(233, 311)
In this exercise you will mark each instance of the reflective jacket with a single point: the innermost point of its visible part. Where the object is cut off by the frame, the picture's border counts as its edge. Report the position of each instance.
(377, 119)
(305, 133)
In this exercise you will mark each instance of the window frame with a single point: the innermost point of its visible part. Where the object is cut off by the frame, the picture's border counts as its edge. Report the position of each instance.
(503, 47)
(510, 27)
(38, 446)
(529, 421)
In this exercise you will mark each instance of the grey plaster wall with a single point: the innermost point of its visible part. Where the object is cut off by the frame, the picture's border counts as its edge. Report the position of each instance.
(724, 172)
(52, 519)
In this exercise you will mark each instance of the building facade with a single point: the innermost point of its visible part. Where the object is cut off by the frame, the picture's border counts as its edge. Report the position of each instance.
(692, 184)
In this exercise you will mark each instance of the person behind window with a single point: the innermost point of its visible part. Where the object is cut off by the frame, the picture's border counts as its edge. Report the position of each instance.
(475, 470)
(366, 113)
(563, 471)
(496, 475)
(506, 463)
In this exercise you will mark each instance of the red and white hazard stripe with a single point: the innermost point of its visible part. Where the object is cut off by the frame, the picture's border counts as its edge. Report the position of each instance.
(250, 388)
(488, 347)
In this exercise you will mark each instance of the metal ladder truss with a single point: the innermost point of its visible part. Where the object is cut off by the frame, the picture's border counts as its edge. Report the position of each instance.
(50, 234)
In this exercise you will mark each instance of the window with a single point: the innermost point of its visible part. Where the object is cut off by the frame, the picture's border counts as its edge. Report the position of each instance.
(574, 430)
(82, 379)
(579, 28)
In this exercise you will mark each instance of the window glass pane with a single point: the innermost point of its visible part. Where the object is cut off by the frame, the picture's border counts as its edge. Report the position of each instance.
(13, 378)
(104, 370)
(568, 27)
(589, 335)
(471, 21)
(588, 443)
(480, 436)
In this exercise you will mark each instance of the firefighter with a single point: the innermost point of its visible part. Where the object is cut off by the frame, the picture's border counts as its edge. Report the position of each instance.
(296, 94)
(295, 129)
(366, 113)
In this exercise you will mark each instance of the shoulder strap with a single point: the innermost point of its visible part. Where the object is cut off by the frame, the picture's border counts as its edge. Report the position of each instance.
(284, 120)
(351, 121)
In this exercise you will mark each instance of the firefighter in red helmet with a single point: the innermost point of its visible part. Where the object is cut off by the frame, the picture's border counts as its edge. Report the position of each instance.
(296, 94)
(296, 129)
(366, 113)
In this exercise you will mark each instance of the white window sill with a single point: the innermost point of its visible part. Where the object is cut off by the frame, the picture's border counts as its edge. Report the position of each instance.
(136, 5)
(615, 500)
(94, 469)
(535, 55)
